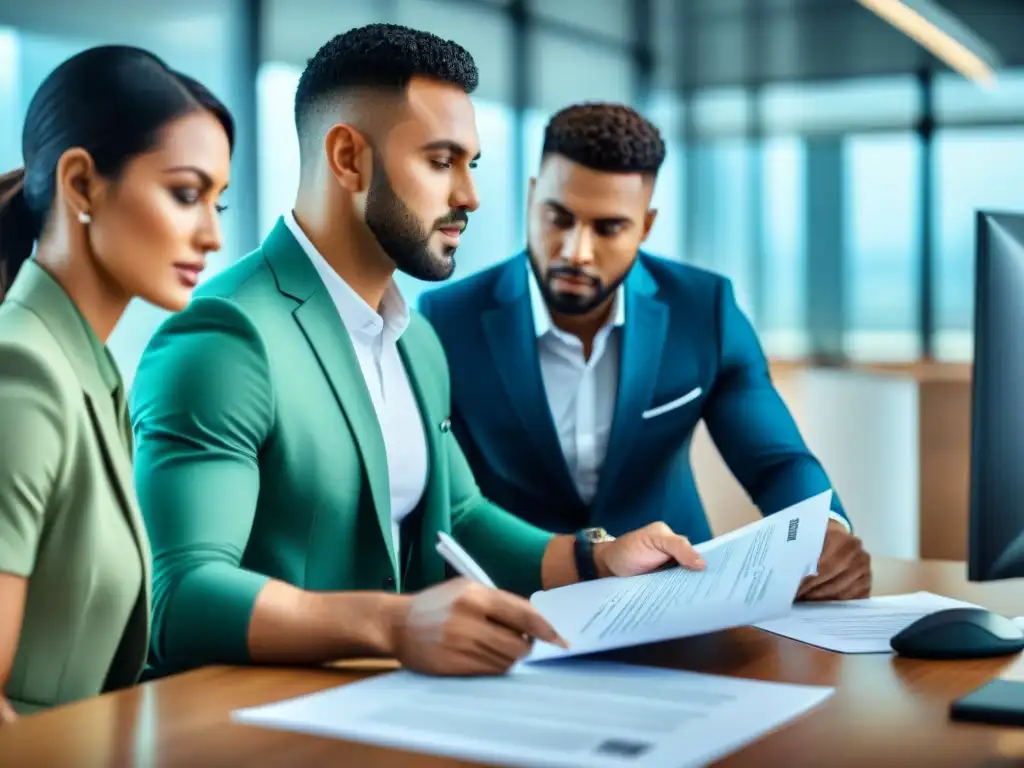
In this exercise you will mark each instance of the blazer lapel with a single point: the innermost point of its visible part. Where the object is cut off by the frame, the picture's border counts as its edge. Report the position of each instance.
(643, 342)
(318, 318)
(108, 425)
(513, 344)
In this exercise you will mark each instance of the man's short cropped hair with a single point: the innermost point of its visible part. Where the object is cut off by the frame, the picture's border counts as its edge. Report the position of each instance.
(605, 137)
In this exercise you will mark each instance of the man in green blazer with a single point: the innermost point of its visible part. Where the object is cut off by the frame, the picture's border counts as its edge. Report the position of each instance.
(294, 455)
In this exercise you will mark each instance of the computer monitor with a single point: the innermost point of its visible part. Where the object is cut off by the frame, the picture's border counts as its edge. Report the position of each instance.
(996, 538)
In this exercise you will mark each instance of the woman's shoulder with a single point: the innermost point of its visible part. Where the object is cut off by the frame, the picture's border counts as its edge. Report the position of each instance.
(30, 356)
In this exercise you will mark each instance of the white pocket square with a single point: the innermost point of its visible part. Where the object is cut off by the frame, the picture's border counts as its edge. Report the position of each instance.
(693, 394)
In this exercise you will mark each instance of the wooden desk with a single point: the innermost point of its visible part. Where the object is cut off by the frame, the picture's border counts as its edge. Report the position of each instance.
(885, 711)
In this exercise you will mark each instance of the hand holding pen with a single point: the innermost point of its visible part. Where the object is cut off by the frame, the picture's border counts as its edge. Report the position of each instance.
(466, 626)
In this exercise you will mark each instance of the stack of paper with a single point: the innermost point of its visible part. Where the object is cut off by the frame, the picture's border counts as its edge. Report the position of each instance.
(573, 714)
(858, 626)
(752, 575)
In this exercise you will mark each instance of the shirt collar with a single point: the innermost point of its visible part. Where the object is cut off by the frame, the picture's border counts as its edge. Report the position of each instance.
(356, 314)
(542, 322)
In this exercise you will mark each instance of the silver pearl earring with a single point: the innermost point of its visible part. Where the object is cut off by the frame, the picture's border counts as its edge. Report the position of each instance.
(85, 218)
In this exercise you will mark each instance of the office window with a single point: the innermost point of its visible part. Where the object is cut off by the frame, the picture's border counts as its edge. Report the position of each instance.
(565, 71)
(841, 106)
(720, 216)
(667, 236)
(612, 19)
(720, 112)
(665, 25)
(958, 100)
(10, 100)
(279, 146)
(882, 244)
(974, 169)
(783, 327)
(293, 32)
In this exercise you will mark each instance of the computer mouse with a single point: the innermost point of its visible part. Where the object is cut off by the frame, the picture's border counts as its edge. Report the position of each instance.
(959, 633)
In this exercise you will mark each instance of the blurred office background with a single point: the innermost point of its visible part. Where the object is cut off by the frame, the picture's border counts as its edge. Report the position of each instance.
(823, 160)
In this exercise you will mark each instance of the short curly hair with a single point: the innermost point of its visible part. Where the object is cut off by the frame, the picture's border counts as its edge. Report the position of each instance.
(606, 137)
(385, 56)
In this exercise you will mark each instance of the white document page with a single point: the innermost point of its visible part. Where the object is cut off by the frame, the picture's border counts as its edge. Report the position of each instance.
(750, 576)
(575, 714)
(858, 626)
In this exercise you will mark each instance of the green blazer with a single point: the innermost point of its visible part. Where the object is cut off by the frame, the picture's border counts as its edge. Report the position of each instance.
(259, 456)
(68, 518)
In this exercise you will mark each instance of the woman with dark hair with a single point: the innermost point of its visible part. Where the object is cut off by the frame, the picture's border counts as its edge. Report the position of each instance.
(125, 162)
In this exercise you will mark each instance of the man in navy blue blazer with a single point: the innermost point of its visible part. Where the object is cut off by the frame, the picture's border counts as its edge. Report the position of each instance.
(581, 366)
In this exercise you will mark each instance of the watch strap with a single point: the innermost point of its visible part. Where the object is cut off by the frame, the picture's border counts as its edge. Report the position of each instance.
(583, 550)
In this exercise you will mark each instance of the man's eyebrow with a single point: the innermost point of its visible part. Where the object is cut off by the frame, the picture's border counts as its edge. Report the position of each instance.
(451, 146)
(560, 209)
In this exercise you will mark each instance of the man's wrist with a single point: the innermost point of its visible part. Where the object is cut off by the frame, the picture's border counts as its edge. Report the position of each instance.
(392, 614)
(600, 559)
(835, 517)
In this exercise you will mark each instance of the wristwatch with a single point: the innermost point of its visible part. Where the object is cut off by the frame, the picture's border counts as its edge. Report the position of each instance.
(583, 550)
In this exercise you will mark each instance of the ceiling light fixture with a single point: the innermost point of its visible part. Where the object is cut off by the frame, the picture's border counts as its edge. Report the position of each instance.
(948, 38)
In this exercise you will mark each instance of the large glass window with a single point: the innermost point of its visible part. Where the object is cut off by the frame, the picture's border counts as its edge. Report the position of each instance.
(721, 213)
(882, 244)
(974, 168)
(565, 71)
(612, 19)
(668, 233)
(783, 328)
(278, 144)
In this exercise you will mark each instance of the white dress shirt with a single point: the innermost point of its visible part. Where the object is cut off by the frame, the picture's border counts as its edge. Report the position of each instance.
(375, 339)
(581, 393)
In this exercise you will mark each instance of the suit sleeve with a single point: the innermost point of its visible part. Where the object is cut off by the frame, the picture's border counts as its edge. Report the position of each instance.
(32, 444)
(201, 409)
(751, 425)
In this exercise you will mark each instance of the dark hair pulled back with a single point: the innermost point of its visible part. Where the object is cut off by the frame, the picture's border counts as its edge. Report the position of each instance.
(112, 101)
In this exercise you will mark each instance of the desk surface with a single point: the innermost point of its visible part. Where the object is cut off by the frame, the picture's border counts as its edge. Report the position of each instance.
(885, 711)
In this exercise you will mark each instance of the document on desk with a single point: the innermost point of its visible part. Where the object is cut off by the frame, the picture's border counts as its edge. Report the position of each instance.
(857, 626)
(751, 575)
(569, 714)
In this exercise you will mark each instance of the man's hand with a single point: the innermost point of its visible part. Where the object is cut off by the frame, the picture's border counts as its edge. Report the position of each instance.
(7, 713)
(644, 550)
(844, 568)
(463, 628)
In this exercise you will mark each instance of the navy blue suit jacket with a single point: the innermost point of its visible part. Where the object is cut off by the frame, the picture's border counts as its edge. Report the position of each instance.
(683, 330)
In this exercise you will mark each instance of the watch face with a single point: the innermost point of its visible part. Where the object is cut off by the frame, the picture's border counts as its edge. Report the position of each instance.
(597, 534)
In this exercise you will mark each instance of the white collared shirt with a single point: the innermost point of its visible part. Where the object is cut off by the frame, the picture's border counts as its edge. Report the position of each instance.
(581, 393)
(375, 339)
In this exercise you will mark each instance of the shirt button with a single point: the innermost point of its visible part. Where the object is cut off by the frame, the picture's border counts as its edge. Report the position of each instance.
(389, 583)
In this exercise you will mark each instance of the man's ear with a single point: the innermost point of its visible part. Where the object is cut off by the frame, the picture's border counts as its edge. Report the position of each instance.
(649, 217)
(345, 148)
